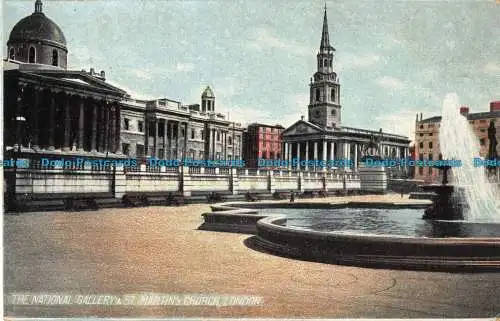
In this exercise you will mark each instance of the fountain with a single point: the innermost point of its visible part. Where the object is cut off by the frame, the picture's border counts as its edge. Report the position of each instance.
(460, 231)
(471, 197)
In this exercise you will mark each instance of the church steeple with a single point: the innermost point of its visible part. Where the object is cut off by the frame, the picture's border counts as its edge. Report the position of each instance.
(325, 37)
(38, 6)
(324, 101)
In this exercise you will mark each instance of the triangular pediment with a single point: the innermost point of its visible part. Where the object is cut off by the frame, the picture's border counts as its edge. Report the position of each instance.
(302, 127)
(79, 78)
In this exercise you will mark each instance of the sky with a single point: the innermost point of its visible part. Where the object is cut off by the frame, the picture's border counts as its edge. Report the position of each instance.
(394, 58)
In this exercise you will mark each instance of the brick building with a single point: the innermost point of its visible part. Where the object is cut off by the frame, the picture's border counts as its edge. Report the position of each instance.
(262, 141)
(427, 137)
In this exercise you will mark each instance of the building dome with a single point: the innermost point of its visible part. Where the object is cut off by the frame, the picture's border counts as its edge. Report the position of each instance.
(207, 93)
(37, 39)
(37, 27)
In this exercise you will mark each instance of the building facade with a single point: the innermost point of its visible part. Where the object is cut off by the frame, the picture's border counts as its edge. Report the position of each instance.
(427, 146)
(262, 141)
(323, 137)
(51, 110)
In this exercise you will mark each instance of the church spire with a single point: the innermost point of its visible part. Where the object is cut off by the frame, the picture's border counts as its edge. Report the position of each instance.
(38, 6)
(325, 37)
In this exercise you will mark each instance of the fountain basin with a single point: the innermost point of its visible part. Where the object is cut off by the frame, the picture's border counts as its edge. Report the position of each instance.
(443, 254)
(279, 234)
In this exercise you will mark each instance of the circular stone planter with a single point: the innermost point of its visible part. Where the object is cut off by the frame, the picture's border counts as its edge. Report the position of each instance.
(475, 254)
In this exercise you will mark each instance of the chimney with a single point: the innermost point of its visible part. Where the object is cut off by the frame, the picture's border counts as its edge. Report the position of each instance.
(103, 74)
(464, 111)
(302, 117)
(92, 71)
(416, 119)
(380, 130)
(495, 105)
(421, 116)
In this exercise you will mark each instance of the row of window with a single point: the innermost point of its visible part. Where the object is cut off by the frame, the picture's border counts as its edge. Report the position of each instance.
(325, 62)
(430, 144)
(140, 128)
(140, 152)
(32, 56)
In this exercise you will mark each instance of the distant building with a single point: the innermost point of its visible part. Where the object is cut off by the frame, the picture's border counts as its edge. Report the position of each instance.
(427, 138)
(262, 141)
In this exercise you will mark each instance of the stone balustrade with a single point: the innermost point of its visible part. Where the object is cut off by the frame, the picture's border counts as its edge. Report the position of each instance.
(186, 180)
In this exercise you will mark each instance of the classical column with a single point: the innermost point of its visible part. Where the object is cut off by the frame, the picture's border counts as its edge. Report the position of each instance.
(298, 156)
(325, 146)
(93, 141)
(289, 155)
(171, 139)
(81, 124)
(112, 128)
(285, 152)
(165, 135)
(67, 123)
(35, 113)
(346, 153)
(146, 134)
(332, 153)
(355, 157)
(106, 127)
(155, 138)
(118, 121)
(224, 148)
(178, 142)
(315, 153)
(307, 155)
(185, 139)
(102, 125)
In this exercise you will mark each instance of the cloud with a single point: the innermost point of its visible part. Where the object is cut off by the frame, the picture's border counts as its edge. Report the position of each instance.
(185, 67)
(400, 122)
(263, 39)
(132, 93)
(353, 61)
(390, 82)
(142, 74)
(492, 68)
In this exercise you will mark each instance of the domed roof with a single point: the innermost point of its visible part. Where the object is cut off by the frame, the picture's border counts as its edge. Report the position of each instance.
(208, 93)
(37, 27)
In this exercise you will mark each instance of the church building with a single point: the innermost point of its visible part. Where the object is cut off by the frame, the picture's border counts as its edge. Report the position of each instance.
(323, 137)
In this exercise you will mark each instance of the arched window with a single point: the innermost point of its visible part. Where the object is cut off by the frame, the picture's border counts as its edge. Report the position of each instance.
(32, 55)
(318, 94)
(325, 63)
(330, 63)
(332, 98)
(334, 112)
(55, 58)
(12, 54)
(320, 63)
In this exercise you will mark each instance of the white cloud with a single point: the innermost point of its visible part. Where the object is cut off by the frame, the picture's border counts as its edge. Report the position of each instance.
(129, 91)
(492, 68)
(185, 67)
(263, 39)
(390, 82)
(142, 74)
(400, 122)
(353, 61)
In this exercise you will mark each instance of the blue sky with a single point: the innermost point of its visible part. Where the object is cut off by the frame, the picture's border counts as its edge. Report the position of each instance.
(394, 58)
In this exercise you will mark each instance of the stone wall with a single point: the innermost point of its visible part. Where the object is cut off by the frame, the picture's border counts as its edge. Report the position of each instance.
(187, 180)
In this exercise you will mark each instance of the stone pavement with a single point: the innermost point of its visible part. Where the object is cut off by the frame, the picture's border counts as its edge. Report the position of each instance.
(160, 250)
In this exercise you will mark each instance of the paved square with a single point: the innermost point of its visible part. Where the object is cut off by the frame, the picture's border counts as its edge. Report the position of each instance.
(160, 250)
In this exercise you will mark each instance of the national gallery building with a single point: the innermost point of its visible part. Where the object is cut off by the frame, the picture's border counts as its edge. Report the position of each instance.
(322, 136)
(50, 110)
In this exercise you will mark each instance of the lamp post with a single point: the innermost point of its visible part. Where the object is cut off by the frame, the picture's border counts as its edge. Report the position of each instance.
(19, 121)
